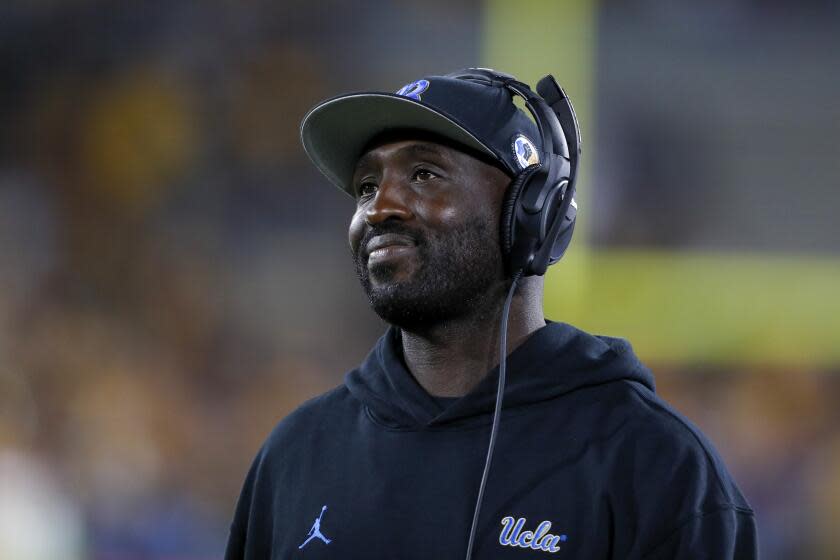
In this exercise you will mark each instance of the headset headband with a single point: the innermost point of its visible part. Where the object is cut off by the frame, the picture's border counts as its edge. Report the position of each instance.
(549, 96)
(554, 116)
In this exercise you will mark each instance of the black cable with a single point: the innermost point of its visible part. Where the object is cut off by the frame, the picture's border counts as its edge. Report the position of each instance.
(496, 413)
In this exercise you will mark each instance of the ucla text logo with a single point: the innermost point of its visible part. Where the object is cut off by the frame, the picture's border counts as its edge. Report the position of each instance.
(541, 539)
(414, 89)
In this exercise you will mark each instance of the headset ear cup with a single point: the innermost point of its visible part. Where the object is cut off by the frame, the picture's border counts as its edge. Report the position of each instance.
(509, 207)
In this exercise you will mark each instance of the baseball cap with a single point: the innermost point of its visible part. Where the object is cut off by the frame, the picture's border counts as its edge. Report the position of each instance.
(477, 114)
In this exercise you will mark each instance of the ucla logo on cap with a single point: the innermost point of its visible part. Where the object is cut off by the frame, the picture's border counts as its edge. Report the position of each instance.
(525, 151)
(414, 89)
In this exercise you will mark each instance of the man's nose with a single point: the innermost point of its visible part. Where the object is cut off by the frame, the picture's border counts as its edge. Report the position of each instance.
(391, 201)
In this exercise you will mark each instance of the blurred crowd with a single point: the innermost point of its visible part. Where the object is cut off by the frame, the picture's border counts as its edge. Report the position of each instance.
(174, 277)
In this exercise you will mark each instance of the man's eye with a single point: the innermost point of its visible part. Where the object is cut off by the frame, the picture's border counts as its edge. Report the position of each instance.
(366, 189)
(424, 175)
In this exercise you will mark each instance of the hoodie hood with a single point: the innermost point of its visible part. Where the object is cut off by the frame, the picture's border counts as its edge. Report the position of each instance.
(555, 360)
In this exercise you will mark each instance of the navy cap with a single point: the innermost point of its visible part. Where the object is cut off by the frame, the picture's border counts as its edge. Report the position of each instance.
(479, 115)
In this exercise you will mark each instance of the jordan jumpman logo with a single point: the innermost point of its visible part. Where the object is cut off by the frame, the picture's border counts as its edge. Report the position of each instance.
(315, 531)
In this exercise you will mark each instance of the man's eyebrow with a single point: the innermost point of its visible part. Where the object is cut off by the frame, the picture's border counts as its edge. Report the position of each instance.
(421, 149)
(365, 161)
(415, 149)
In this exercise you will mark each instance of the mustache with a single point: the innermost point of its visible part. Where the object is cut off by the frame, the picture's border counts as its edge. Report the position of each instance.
(383, 228)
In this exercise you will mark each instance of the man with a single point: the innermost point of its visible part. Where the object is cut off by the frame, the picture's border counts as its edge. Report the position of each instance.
(588, 462)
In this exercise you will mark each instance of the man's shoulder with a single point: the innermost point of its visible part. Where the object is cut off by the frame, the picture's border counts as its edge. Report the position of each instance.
(653, 419)
(667, 449)
(666, 474)
(636, 411)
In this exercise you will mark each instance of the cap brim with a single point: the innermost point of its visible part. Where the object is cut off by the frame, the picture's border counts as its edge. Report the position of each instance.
(335, 132)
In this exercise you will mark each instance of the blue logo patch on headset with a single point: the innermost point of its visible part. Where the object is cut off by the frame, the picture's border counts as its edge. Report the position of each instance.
(414, 89)
(524, 151)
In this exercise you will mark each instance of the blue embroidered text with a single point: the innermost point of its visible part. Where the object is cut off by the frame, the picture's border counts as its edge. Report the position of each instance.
(540, 539)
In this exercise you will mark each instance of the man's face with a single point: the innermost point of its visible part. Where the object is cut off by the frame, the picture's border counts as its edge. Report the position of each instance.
(425, 235)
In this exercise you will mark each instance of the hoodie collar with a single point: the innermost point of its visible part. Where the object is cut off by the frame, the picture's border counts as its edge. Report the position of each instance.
(555, 360)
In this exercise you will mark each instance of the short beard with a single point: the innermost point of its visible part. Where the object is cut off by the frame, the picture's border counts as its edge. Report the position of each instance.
(457, 272)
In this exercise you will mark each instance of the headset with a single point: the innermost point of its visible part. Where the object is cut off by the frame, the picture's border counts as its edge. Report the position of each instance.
(538, 213)
(539, 210)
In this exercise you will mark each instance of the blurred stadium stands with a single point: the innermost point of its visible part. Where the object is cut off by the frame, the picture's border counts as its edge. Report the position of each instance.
(174, 277)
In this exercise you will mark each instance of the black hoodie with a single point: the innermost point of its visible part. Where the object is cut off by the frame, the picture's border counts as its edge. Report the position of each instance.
(589, 464)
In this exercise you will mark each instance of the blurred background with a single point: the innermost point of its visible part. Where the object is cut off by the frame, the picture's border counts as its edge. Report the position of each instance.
(174, 277)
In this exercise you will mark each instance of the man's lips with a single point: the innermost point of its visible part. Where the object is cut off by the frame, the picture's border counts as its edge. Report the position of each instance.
(388, 245)
(389, 240)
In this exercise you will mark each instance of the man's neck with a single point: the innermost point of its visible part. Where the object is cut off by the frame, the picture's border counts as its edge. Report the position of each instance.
(451, 357)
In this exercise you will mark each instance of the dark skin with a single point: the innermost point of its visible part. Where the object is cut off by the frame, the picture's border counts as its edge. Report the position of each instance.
(431, 187)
